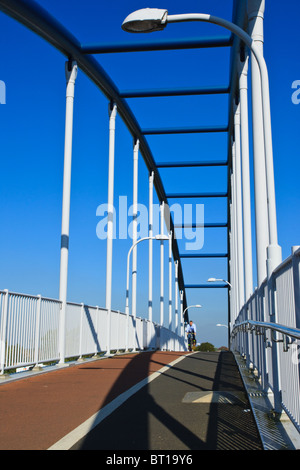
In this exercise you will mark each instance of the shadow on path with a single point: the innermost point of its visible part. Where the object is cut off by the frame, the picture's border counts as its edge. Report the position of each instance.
(155, 418)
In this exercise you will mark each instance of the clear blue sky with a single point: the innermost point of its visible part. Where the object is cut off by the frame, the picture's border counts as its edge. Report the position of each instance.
(32, 144)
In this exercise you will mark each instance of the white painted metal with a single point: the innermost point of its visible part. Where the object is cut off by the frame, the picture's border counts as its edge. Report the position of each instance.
(239, 213)
(256, 31)
(162, 221)
(262, 340)
(110, 217)
(71, 74)
(134, 226)
(158, 20)
(170, 280)
(150, 296)
(181, 314)
(234, 245)
(29, 331)
(247, 235)
(176, 297)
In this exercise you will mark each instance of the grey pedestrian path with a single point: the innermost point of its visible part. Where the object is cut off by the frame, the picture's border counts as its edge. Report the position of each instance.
(197, 404)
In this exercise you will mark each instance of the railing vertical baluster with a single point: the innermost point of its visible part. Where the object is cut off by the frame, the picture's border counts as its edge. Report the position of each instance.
(81, 331)
(3, 330)
(37, 330)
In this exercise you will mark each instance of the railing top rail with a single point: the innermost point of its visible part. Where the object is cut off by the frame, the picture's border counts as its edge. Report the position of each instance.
(285, 330)
(30, 296)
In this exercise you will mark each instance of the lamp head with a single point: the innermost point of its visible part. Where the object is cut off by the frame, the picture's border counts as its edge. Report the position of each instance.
(145, 20)
(211, 279)
(161, 237)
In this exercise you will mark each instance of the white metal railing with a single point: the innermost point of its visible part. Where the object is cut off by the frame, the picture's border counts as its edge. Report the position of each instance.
(29, 331)
(267, 333)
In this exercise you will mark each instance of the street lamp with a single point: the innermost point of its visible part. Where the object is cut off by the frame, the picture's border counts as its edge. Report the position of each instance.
(157, 237)
(220, 324)
(152, 19)
(197, 306)
(213, 279)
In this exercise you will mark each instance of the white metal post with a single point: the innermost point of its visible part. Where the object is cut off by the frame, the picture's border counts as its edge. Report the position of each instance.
(170, 280)
(239, 216)
(162, 264)
(150, 295)
(234, 251)
(231, 261)
(243, 86)
(176, 297)
(181, 315)
(37, 331)
(110, 217)
(71, 74)
(3, 329)
(134, 227)
(256, 31)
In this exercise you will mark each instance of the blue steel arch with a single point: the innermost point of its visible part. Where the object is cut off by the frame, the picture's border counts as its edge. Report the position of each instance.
(37, 19)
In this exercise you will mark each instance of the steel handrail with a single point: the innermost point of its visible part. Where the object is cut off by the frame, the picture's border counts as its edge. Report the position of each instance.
(284, 330)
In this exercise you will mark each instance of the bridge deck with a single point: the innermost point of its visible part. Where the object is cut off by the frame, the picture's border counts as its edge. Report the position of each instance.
(149, 401)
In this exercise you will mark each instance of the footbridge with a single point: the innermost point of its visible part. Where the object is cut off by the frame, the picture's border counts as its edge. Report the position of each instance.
(167, 141)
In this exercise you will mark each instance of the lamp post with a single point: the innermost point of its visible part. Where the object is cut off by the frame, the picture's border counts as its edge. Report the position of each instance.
(213, 279)
(195, 306)
(157, 237)
(152, 19)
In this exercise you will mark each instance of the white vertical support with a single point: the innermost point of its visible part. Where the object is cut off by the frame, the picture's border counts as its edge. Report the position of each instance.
(234, 251)
(81, 332)
(97, 332)
(134, 236)
(239, 214)
(3, 328)
(181, 315)
(110, 217)
(71, 74)
(231, 262)
(176, 297)
(256, 30)
(134, 227)
(150, 295)
(162, 209)
(37, 331)
(243, 86)
(170, 281)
